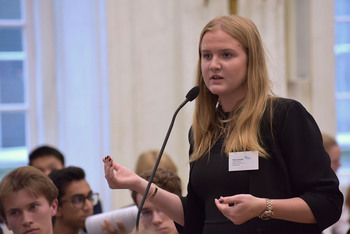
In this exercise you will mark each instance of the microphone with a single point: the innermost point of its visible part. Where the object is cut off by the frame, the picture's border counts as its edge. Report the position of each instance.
(190, 96)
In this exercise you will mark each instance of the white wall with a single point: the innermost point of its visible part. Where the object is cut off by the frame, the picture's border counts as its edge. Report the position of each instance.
(72, 84)
(152, 59)
(299, 35)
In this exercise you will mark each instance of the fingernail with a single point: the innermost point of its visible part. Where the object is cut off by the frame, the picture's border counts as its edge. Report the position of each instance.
(221, 200)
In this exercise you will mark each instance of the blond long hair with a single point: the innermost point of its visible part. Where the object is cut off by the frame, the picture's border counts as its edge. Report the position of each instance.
(243, 125)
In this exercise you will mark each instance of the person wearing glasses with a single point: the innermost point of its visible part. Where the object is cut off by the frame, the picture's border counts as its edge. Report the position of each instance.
(75, 200)
(47, 158)
(28, 201)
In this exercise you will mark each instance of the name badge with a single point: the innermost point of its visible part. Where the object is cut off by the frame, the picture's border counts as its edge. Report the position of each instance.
(243, 161)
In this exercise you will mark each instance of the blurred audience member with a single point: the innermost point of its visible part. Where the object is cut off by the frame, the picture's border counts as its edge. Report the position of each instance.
(147, 160)
(75, 200)
(151, 218)
(333, 149)
(46, 159)
(167, 180)
(331, 146)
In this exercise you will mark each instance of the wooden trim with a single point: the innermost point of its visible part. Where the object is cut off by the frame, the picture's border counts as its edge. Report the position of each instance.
(233, 7)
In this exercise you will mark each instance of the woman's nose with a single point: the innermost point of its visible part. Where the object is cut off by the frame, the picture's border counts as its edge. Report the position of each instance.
(215, 63)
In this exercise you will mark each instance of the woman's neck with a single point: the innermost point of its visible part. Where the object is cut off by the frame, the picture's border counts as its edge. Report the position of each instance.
(229, 103)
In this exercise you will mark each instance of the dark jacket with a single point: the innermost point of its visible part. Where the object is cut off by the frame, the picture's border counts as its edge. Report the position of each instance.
(298, 167)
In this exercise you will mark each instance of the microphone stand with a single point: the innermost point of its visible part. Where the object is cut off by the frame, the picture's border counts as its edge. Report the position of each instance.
(157, 163)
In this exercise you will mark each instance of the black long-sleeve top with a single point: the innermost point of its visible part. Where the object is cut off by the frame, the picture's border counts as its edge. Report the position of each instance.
(298, 166)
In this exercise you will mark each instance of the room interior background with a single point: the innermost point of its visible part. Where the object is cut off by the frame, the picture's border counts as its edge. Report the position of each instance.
(105, 76)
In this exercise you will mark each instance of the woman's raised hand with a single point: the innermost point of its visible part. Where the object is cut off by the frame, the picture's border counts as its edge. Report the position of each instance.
(119, 177)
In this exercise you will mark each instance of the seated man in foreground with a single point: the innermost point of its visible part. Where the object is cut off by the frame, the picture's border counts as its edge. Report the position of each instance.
(28, 201)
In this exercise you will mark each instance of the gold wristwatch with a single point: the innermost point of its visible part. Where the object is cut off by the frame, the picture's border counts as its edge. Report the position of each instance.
(268, 213)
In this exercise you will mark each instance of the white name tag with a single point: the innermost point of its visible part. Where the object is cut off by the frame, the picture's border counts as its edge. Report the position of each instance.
(243, 161)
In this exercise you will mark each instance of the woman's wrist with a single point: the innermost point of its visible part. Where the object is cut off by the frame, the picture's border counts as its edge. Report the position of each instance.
(139, 185)
(153, 194)
(268, 212)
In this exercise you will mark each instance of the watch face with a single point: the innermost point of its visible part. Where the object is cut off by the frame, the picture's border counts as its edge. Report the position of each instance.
(267, 215)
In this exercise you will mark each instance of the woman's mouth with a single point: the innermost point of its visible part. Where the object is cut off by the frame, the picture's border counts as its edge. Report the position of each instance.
(216, 77)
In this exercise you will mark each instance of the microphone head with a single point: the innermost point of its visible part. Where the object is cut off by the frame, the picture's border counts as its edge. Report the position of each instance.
(192, 94)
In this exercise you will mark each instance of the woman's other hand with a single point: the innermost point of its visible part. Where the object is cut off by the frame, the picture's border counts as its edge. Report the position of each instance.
(241, 208)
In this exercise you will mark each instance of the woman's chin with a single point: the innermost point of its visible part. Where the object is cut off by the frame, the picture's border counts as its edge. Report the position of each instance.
(217, 92)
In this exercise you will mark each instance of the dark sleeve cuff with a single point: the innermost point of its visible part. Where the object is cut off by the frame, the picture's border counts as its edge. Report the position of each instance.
(180, 228)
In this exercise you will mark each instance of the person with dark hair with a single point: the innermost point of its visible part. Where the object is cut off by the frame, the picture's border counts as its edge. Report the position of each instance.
(46, 159)
(75, 200)
(257, 161)
(28, 201)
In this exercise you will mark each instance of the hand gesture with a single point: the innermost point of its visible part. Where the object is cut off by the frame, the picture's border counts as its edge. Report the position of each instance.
(117, 176)
(241, 208)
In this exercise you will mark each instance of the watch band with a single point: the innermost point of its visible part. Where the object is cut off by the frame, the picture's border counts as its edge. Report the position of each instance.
(268, 213)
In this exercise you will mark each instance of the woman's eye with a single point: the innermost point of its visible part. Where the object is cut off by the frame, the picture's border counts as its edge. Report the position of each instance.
(227, 55)
(206, 56)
